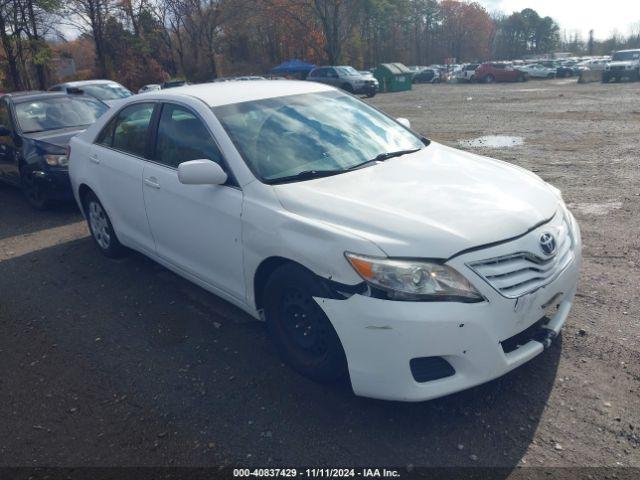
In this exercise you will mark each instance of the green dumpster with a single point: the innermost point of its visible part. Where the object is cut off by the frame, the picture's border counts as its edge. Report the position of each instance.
(393, 77)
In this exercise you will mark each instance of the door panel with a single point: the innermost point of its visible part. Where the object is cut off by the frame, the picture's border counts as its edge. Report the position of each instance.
(120, 191)
(196, 227)
(118, 165)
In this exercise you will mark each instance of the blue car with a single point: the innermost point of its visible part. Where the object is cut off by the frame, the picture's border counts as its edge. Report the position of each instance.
(35, 129)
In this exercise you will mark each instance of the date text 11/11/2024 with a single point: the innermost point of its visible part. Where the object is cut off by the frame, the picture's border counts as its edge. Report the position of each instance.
(316, 473)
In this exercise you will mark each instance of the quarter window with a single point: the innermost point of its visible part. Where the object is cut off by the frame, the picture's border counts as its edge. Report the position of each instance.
(128, 131)
(182, 137)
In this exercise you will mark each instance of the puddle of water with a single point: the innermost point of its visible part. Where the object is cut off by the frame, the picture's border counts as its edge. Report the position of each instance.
(493, 141)
(598, 209)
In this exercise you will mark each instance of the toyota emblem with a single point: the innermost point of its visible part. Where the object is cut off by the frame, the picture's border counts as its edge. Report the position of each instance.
(548, 243)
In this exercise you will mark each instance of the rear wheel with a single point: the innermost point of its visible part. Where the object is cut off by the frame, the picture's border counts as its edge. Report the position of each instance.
(489, 79)
(101, 229)
(32, 190)
(303, 334)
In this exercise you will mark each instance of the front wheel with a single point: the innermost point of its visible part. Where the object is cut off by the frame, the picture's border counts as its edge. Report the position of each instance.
(303, 334)
(101, 229)
(489, 79)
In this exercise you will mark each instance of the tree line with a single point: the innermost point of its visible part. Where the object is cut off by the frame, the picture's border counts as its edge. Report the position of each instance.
(145, 41)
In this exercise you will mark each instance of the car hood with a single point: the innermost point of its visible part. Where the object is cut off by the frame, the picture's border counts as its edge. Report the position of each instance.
(58, 138)
(430, 204)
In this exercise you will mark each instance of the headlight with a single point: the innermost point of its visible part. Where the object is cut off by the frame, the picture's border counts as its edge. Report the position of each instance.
(414, 280)
(57, 160)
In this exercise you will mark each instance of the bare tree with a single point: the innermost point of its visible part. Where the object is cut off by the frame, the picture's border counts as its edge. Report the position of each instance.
(90, 17)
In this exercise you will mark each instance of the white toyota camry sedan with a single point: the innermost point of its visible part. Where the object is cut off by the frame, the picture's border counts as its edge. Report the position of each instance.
(415, 269)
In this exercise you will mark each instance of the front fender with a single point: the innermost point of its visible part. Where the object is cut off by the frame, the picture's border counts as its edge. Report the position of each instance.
(269, 231)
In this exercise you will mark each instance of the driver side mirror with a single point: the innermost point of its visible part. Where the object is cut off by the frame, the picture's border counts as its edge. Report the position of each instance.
(201, 172)
(404, 122)
(5, 132)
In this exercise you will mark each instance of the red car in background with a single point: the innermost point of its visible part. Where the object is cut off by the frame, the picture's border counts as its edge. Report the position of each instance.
(499, 72)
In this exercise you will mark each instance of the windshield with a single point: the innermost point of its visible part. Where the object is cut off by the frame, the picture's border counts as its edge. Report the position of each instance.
(58, 112)
(106, 91)
(626, 56)
(347, 71)
(329, 131)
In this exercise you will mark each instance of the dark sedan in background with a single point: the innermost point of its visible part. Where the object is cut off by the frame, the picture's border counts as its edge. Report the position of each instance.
(35, 129)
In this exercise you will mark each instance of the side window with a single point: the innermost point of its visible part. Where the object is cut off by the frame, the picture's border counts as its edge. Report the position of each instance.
(182, 137)
(331, 72)
(105, 137)
(130, 129)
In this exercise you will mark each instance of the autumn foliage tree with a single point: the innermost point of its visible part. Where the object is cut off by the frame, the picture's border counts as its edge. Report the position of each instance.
(147, 41)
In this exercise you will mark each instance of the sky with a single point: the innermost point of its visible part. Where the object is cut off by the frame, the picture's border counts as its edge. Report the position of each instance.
(579, 15)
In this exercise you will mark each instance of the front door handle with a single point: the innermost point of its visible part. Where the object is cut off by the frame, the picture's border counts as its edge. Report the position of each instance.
(94, 158)
(152, 182)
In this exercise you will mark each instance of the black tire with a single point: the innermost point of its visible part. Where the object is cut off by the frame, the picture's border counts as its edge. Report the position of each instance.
(522, 78)
(489, 79)
(472, 79)
(102, 232)
(371, 94)
(301, 331)
(606, 78)
(32, 190)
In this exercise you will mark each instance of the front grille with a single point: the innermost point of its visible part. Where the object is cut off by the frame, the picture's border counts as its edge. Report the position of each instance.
(524, 272)
(617, 68)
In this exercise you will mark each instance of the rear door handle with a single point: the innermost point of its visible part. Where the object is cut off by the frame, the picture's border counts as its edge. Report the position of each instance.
(94, 158)
(152, 182)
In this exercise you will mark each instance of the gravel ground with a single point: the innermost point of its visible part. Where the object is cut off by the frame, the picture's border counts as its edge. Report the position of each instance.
(119, 363)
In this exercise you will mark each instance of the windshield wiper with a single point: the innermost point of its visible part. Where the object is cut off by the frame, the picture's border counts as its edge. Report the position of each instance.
(382, 157)
(304, 175)
(386, 156)
(311, 174)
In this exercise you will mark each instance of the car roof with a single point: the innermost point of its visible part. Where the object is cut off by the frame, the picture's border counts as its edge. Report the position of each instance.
(225, 93)
(19, 97)
(79, 83)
